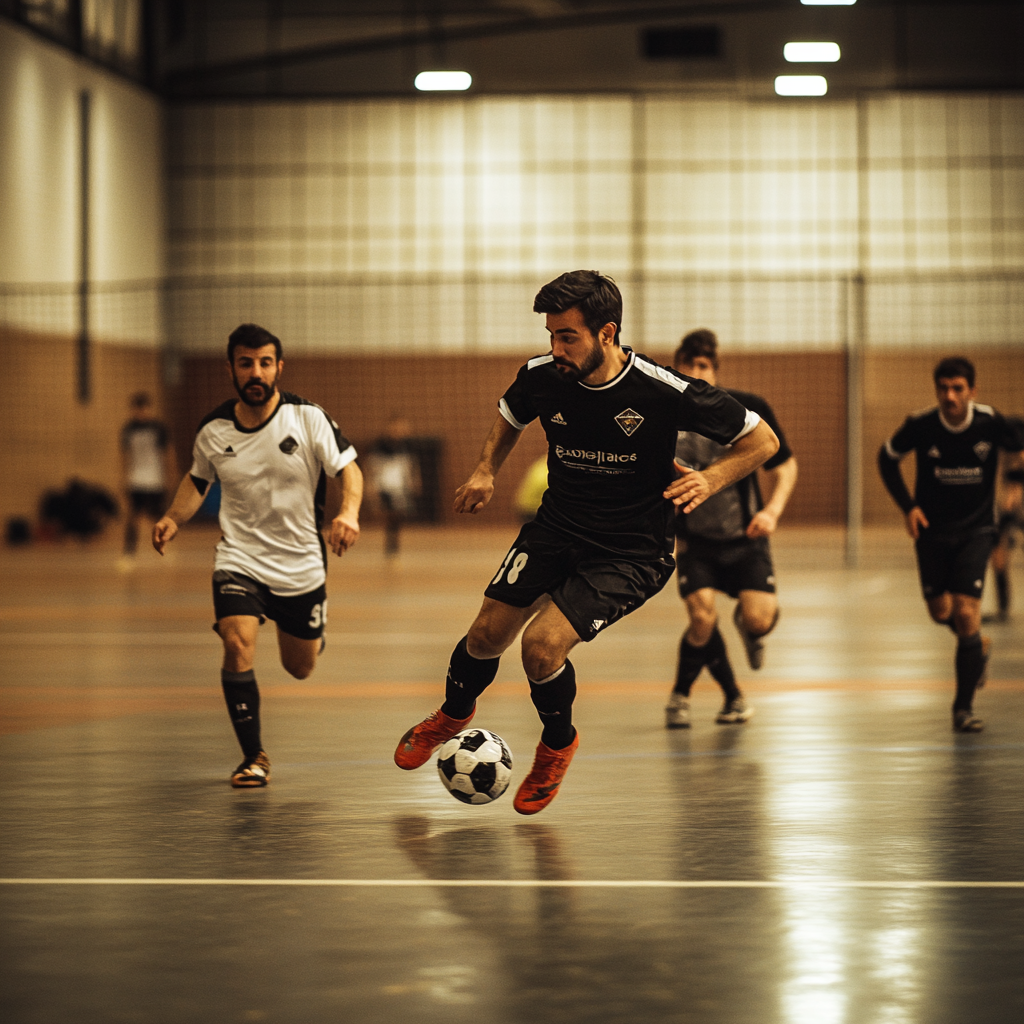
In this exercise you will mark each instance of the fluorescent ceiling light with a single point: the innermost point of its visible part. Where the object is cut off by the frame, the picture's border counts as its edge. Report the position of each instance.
(828, 3)
(801, 85)
(811, 53)
(443, 81)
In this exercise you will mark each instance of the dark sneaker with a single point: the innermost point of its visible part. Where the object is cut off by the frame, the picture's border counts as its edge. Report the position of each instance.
(964, 721)
(416, 746)
(540, 787)
(252, 772)
(753, 645)
(734, 712)
(677, 712)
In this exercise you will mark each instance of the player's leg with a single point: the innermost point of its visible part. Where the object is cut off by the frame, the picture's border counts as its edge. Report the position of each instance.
(131, 524)
(301, 620)
(693, 654)
(753, 576)
(1001, 567)
(239, 604)
(298, 656)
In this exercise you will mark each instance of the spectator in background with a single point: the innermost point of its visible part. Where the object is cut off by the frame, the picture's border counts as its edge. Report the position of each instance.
(395, 478)
(146, 466)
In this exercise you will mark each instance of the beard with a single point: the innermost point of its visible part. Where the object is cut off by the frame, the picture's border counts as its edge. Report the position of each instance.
(255, 392)
(591, 361)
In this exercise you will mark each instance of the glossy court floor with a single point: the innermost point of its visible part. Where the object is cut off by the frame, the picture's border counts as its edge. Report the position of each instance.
(842, 859)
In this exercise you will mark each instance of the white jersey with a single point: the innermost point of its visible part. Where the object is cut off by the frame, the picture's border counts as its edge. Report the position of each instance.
(273, 482)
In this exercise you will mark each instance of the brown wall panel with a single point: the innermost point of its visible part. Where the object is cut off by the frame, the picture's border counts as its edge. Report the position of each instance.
(455, 398)
(48, 436)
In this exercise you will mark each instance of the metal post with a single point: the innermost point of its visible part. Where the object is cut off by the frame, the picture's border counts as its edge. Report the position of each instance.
(637, 256)
(83, 353)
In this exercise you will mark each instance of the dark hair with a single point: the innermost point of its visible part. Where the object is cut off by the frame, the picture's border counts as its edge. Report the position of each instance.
(955, 366)
(251, 336)
(700, 342)
(140, 400)
(594, 295)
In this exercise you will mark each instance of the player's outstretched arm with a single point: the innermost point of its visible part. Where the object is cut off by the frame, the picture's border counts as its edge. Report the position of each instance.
(693, 488)
(784, 478)
(345, 525)
(187, 501)
(476, 492)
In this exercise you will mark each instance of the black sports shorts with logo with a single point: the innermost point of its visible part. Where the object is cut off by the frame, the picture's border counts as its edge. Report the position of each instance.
(591, 586)
(303, 616)
(726, 565)
(953, 564)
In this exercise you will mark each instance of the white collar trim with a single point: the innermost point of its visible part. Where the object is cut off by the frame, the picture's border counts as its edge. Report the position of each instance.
(615, 380)
(968, 420)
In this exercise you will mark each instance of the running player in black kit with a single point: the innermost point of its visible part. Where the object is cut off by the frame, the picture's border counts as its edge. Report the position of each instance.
(601, 544)
(951, 515)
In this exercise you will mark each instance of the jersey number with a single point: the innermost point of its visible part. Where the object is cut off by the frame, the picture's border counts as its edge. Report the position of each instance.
(318, 616)
(517, 566)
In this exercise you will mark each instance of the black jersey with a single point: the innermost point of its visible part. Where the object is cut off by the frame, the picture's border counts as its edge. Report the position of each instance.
(610, 447)
(956, 467)
(727, 514)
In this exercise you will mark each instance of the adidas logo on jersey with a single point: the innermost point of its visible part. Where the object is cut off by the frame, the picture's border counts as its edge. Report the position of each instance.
(934, 453)
(559, 419)
(981, 449)
(230, 451)
(629, 421)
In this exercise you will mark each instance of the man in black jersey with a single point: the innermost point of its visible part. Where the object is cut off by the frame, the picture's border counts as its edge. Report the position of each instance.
(723, 546)
(951, 515)
(601, 543)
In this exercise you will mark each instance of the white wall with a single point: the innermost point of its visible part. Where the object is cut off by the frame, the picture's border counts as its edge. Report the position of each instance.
(428, 224)
(39, 194)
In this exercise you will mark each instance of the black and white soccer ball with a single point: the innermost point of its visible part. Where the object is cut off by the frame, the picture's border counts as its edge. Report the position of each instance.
(475, 766)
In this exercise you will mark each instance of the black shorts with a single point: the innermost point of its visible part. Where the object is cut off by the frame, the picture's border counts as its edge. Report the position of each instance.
(953, 565)
(147, 503)
(590, 586)
(726, 565)
(303, 616)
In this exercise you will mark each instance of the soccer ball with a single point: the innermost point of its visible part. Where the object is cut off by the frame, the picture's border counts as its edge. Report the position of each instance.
(475, 766)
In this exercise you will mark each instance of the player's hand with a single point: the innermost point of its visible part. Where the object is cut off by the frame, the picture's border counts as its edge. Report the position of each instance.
(344, 533)
(763, 524)
(916, 522)
(475, 493)
(689, 489)
(163, 532)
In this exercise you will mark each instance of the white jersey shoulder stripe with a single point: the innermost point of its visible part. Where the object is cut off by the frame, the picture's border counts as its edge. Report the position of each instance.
(660, 373)
(750, 421)
(532, 364)
(987, 409)
(507, 413)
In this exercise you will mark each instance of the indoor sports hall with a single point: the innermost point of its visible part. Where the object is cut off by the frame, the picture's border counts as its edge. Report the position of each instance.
(842, 218)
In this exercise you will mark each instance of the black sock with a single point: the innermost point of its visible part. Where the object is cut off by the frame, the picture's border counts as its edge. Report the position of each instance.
(717, 660)
(1003, 589)
(553, 701)
(468, 677)
(691, 661)
(243, 699)
(969, 665)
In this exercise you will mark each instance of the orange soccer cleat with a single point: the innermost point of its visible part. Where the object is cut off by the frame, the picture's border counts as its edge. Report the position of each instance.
(416, 746)
(540, 787)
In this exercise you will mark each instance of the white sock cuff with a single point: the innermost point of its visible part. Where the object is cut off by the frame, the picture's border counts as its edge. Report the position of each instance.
(554, 675)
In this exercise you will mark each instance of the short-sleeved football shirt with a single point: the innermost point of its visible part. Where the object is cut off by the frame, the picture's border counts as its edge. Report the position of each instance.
(956, 466)
(727, 514)
(144, 443)
(273, 484)
(610, 447)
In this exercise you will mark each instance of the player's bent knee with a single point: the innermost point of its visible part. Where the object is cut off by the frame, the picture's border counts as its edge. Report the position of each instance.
(303, 671)
(488, 639)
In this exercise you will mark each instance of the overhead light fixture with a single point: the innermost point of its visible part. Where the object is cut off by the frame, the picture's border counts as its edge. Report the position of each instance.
(443, 81)
(828, 3)
(811, 53)
(801, 85)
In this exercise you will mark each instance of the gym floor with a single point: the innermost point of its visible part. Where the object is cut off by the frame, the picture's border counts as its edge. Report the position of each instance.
(844, 858)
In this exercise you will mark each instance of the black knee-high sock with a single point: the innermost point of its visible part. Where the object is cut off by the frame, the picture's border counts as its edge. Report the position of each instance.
(553, 699)
(969, 665)
(1003, 589)
(691, 661)
(468, 677)
(243, 699)
(717, 660)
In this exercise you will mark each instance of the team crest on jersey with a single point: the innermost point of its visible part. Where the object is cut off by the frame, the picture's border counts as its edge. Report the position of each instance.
(288, 445)
(934, 453)
(559, 419)
(981, 449)
(597, 624)
(629, 421)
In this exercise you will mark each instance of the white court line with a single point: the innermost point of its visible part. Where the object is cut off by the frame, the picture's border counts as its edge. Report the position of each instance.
(522, 883)
(201, 639)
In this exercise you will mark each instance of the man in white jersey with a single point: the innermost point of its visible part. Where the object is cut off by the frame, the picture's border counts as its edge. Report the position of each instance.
(272, 452)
